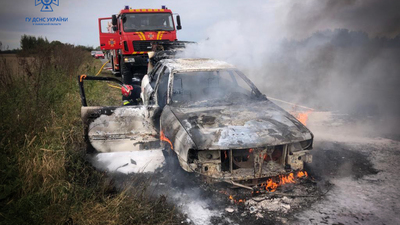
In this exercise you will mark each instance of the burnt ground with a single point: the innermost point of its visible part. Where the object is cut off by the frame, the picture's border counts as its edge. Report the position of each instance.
(335, 160)
(353, 181)
(203, 203)
(331, 161)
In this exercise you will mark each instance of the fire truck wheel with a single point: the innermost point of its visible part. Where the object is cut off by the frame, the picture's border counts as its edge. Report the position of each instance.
(126, 73)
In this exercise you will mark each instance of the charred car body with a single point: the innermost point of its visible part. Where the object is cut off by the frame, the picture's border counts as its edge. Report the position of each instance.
(212, 117)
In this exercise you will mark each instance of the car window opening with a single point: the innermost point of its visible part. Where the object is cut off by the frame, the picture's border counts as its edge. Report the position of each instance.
(224, 85)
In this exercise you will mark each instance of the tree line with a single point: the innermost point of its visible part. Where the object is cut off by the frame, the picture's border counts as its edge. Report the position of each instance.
(32, 44)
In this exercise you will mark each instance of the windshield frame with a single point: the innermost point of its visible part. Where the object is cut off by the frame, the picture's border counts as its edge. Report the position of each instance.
(124, 16)
(254, 89)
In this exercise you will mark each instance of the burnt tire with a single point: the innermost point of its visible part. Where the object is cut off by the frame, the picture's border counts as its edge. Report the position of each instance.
(176, 176)
(171, 160)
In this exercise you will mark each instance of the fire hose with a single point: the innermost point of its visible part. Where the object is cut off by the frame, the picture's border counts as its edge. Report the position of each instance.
(113, 86)
(102, 68)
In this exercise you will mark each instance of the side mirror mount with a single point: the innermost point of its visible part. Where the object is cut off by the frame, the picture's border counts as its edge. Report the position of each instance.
(114, 20)
(178, 21)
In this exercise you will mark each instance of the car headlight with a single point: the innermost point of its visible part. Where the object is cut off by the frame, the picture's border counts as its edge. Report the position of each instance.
(307, 144)
(129, 60)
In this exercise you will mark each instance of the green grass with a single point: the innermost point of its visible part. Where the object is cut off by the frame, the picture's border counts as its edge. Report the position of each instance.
(100, 93)
(44, 178)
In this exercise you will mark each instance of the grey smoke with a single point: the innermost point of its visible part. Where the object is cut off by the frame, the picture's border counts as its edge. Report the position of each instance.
(376, 17)
(329, 55)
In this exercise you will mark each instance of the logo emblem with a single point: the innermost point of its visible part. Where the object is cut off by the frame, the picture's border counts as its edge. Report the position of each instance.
(111, 42)
(47, 4)
(151, 36)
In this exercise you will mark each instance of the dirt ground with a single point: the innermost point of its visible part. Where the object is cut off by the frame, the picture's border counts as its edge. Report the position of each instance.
(353, 180)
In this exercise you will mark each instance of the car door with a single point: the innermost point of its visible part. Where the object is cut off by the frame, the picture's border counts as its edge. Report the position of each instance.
(162, 87)
(117, 129)
(158, 98)
(148, 82)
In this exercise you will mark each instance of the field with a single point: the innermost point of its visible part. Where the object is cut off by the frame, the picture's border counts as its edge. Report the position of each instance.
(45, 178)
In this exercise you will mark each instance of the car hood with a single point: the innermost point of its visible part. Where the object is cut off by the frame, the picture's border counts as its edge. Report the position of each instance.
(251, 125)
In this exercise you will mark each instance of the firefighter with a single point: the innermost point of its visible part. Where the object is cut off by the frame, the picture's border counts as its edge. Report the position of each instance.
(131, 94)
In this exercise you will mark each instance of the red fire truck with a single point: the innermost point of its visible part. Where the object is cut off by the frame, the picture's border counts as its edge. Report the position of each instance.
(131, 34)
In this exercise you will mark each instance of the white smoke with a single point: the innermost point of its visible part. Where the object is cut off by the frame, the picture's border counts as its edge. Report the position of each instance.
(305, 53)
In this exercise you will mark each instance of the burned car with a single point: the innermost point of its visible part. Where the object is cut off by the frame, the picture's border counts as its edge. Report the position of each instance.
(208, 115)
(220, 125)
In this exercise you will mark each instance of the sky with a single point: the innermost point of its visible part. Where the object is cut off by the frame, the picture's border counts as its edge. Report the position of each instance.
(200, 19)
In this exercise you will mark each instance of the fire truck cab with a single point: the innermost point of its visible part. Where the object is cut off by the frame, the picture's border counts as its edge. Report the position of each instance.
(131, 34)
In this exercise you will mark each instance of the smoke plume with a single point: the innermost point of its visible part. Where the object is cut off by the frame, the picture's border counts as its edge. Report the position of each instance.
(330, 55)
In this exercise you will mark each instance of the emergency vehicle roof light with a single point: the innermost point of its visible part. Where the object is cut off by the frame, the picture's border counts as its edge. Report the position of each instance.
(163, 7)
(127, 7)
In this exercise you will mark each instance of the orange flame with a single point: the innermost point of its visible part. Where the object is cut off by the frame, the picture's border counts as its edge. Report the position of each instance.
(236, 201)
(301, 174)
(232, 198)
(302, 117)
(271, 185)
(163, 138)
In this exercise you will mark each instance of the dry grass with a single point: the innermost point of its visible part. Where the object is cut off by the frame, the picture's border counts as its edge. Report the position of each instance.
(44, 178)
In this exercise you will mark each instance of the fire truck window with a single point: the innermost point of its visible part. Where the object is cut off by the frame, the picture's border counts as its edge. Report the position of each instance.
(147, 22)
(106, 26)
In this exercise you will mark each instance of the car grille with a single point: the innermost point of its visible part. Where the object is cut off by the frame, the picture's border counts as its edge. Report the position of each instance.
(141, 46)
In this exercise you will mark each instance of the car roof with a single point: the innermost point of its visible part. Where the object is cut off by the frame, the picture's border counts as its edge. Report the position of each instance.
(195, 64)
